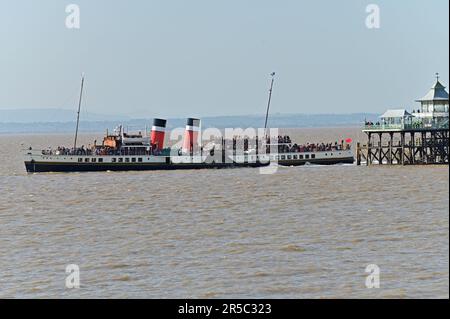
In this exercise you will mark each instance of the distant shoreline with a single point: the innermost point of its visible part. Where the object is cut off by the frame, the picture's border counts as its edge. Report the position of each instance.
(65, 133)
(282, 121)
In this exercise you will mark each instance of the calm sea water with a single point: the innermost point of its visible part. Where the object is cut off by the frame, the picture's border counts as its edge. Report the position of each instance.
(304, 232)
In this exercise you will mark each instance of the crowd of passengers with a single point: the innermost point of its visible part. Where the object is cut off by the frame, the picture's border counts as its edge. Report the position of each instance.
(313, 147)
(283, 139)
(99, 150)
(61, 150)
(369, 123)
(283, 143)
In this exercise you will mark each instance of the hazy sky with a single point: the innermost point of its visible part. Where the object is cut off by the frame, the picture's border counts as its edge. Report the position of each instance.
(209, 57)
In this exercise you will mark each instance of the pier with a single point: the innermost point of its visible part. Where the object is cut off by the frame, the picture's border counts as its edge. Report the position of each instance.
(404, 147)
(403, 138)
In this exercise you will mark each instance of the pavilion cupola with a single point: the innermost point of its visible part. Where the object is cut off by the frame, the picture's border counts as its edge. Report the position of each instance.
(435, 103)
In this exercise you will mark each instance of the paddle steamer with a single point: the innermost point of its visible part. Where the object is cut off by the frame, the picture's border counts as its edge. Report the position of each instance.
(123, 151)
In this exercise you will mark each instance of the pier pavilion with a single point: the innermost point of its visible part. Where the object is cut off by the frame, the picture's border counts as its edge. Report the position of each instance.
(410, 138)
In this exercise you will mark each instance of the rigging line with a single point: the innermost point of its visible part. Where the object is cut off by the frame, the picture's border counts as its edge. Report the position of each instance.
(268, 103)
(78, 113)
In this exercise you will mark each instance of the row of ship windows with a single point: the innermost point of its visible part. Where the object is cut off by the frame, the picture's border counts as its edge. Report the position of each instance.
(140, 160)
(113, 160)
(289, 157)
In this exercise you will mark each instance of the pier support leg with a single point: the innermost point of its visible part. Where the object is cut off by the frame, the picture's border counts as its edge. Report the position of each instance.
(422, 141)
(402, 143)
(391, 141)
(358, 154)
(432, 146)
(380, 149)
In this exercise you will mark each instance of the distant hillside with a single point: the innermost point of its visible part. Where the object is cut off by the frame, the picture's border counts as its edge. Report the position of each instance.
(256, 121)
(52, 116)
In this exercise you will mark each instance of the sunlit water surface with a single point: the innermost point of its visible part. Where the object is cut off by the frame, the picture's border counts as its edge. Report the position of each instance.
(304, 232)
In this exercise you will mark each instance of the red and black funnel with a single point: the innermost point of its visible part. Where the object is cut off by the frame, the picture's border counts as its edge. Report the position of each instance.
(158, 134)
(191, 135)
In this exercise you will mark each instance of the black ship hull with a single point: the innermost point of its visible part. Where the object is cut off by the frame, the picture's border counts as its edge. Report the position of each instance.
(41, 167)
(318, 161)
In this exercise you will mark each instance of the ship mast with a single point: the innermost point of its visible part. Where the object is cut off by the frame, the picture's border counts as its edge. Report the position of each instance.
(268, 103)
(78, 112)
